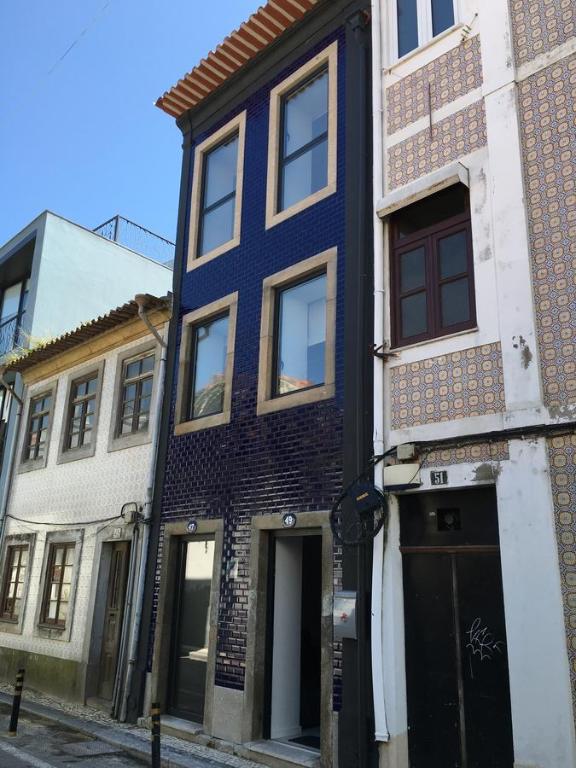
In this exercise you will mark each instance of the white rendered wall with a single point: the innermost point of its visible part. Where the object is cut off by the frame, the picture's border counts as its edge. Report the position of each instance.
(75, 492)
(285, 715)
(82, 275)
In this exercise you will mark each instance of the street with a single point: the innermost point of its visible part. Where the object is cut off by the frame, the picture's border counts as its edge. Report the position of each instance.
(44, 744)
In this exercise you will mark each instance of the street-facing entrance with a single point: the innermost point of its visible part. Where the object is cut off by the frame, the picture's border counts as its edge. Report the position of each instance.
(456, 653)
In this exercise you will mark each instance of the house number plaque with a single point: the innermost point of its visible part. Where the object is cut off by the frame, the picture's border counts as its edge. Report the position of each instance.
(439, 477)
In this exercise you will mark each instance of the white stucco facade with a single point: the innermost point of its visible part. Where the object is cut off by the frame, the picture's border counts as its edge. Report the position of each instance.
(80, 499)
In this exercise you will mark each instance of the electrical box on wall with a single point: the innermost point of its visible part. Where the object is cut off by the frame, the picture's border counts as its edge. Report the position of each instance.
(344, 616)
(401, 477)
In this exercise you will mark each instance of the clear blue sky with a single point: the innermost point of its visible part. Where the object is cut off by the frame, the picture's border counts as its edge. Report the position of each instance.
(82, 137)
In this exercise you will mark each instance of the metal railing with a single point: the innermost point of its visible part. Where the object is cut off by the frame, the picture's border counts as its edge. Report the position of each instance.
(11, 335)
(137, 238)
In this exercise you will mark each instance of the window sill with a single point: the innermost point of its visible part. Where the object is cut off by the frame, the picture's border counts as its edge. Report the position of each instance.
(301, 205)
(306, 396)
(411, 61)
(132, 440)
(75, 454)
(435, 340)
(30, 466)
(205, 422)
(199, 261)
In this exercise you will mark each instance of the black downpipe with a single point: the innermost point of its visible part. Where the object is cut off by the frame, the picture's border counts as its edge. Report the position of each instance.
(136, 695)
(357, 748)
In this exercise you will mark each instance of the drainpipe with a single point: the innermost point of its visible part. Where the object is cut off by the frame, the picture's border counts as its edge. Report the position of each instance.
(381, 727)
(12, 457)
(133, 643)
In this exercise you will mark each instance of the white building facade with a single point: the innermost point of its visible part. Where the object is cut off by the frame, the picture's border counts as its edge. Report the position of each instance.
(55, 275)
(474, 588)
(77, 519)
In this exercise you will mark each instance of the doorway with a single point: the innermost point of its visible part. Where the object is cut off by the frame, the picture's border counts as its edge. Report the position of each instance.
(190, 639)
(457, 681)
(113, 617)
(292, 709)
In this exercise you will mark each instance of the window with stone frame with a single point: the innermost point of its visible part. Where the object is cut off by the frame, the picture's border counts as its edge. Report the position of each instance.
(58, 585)
(13, 583)
(81, 412)
(432, 269)
(38, 427)
(136, 394)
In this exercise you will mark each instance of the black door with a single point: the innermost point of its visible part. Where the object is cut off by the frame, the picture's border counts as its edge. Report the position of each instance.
(191, 628)
(113, 618)
(456, 655)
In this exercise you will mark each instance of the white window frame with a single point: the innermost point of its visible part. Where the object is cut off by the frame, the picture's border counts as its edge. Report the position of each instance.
(424, 17)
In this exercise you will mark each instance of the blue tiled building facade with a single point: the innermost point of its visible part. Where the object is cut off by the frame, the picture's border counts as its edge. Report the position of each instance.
(215, 481)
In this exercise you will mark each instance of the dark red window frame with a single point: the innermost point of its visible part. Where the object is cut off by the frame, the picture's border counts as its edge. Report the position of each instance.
(428, 238)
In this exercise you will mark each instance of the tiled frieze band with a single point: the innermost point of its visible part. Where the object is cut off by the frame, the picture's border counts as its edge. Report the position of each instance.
(562, 458)
(448, 387)
(449, 140)
(548, 120)
(541, 25)
(468, 454)
(448, 77)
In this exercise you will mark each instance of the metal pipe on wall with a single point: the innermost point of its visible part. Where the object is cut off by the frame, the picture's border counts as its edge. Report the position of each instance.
(381, 727)
(133, 644)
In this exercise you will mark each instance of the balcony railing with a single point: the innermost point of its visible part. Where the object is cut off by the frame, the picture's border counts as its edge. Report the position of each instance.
(11, 335)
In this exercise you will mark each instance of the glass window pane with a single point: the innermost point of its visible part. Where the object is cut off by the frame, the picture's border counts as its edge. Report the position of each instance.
(217, 226)
(442, 15)
(148, 364)
(432, 210)
(10, 302)
(301, 336)
(51, 609)
(126, 427)
(407, 26)
(455, 303)
(211, 341)
(63, 612)
(414, 315)
(453, 255)
(412, 270)
(58, 556)
(304, 175)
(133, 369)
(145, 405)
(220, 172)
(305, 114)
(24, 557)
(91, 385)
(146, 387)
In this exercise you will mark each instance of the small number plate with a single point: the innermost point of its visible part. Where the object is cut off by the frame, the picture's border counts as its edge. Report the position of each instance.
(439, 478)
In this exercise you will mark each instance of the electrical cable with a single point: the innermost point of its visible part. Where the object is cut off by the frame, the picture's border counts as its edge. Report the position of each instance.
(66, 525)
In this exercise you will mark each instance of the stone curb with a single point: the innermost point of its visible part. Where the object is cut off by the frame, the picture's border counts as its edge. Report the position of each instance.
(135, 746)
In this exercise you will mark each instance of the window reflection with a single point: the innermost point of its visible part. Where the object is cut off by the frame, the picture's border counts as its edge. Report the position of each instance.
(218, 196)
(301, 340)
(304, 141)
(210, 342)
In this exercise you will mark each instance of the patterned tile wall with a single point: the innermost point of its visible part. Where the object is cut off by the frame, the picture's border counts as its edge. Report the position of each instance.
(494, 451)
(540, 25)
(548, 120)
(562, 458)
(448, 387)
(449, 140)
(449, 76)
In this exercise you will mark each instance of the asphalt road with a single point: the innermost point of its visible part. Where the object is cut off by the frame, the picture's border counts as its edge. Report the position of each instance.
(41, 743)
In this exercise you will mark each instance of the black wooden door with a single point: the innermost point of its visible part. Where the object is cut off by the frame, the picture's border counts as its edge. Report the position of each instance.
(456, 654)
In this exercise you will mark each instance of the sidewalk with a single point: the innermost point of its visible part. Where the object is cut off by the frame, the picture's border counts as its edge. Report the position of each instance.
(132, 739)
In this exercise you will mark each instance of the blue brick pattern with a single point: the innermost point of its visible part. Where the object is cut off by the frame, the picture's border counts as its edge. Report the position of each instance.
(289, 460)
